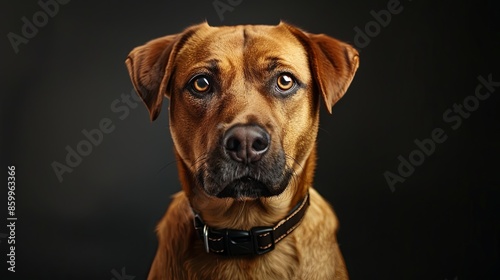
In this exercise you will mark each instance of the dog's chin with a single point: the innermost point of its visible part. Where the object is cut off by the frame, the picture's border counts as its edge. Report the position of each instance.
(245, 188)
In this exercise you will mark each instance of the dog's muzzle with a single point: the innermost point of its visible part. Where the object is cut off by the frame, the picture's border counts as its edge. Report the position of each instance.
(245, 164)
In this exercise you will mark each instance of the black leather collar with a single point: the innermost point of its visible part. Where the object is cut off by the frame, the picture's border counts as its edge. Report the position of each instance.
(256, 241)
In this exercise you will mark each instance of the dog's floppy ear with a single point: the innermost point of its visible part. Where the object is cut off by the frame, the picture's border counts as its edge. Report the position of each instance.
(150, 67)
(147, 67)
(333, 64)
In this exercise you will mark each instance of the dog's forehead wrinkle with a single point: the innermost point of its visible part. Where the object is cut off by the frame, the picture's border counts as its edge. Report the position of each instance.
(245, 37)
(213, 65)
(272, 63)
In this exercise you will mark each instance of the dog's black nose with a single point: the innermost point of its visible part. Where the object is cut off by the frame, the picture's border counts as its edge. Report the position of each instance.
(246, 143)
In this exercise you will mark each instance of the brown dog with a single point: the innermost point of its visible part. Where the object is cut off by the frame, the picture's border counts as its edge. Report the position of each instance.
(244, 112)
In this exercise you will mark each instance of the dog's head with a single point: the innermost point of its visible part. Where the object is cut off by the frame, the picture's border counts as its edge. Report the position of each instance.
(244, 103)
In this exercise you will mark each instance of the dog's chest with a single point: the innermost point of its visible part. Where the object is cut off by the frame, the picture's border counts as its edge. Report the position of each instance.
(287, 261)
(282, 263)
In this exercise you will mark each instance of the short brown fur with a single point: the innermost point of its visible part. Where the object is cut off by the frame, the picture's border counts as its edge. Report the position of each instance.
(243, 58)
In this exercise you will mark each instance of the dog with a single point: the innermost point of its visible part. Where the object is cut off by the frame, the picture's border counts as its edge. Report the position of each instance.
(244, 106)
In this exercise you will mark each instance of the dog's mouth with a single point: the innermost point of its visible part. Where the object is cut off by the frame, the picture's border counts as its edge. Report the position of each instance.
(226, 179)
(245, 187)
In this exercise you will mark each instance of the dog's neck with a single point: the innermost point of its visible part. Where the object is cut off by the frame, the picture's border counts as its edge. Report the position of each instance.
(237, 214)
(256, 241)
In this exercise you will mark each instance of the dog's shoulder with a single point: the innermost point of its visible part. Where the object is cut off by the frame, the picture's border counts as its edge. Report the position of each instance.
(175, 230)
(178, 220)
(320, 252)
(320, 213)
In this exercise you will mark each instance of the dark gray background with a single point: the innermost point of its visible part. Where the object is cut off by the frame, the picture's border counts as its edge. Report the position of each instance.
(441, 223)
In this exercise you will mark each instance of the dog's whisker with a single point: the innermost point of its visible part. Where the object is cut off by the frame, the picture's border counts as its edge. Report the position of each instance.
(166, 166)
(241, 210)
(201, 159)
(295, 161)
(324, 130)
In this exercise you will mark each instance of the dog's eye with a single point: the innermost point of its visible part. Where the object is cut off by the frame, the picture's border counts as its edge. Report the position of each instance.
(285, 82)
(200, 84)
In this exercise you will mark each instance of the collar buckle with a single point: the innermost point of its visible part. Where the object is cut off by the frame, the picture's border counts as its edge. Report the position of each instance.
(205, 238)
(263, 239)
(238, 242)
